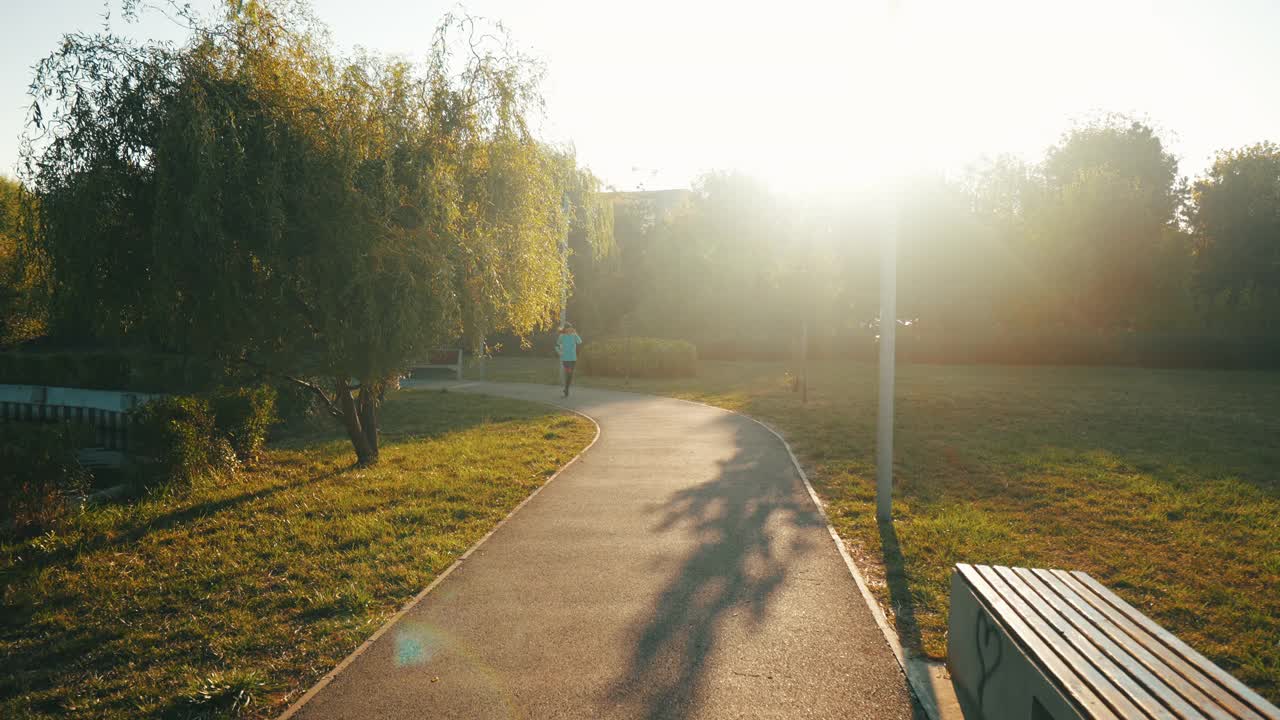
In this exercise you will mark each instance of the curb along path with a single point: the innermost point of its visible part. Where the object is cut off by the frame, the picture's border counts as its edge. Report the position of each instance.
(678, 569)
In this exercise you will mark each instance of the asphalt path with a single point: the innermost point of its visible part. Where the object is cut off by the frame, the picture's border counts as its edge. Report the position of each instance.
(678, 569)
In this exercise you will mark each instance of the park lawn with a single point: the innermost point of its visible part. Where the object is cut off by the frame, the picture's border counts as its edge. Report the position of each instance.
(1162, 484)
(248, 589)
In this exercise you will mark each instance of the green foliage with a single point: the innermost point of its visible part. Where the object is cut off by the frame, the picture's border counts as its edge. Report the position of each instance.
(176, 442)
(178, 439)
(39, 474)
(1085, 242)
(244, 416)
(295, 210)
(1086, 256)
(1110, 203)
(1237, 237)
(713, 266)
(1127, 149)
(125, 371)
(21, 306)
(295, 405)
(638, 357)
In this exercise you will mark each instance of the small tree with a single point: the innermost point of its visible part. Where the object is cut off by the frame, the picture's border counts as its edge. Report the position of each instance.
(1236, 219)
(254, 197)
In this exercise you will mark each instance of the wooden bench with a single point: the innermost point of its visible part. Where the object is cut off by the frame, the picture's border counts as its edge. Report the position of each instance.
(1055, 645)
(447, 358)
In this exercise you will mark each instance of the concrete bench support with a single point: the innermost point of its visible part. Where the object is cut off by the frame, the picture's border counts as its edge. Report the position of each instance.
(1053, 645)
(446, 358)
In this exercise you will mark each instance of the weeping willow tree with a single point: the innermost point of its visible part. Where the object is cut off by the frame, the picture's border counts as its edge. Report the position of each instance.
(21, 310)
(255, 197)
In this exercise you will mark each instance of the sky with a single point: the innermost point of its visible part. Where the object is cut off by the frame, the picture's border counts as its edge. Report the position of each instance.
(810, 95)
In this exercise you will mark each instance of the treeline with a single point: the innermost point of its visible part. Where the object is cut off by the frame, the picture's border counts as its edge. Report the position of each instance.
(1101, 253)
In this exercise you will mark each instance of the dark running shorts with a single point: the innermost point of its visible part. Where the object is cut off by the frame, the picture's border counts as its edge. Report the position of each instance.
(568, 364)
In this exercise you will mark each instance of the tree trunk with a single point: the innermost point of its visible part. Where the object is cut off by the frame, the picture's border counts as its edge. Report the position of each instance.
(368, 404)
(351, 415)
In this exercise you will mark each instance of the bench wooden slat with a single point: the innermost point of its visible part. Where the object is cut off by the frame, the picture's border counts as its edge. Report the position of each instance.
(1210, 678)
(1152, 693)
(1079, 641)
(1177, 665)
(1102, 686)
(1079, 690)
(1146, 667)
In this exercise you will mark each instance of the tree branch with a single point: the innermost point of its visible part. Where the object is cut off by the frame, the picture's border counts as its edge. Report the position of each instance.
(317, 390)
(320, 393)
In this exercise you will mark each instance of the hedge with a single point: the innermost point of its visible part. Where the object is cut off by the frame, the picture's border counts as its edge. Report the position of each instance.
(124, 371)
(1129, 350)
(638, 357)
(1048, 348)
(39, 474)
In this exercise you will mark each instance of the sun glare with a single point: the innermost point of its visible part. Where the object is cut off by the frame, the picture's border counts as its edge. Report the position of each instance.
(848, 94)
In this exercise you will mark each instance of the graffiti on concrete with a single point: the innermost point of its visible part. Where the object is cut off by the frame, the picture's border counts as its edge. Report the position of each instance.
(990, 646)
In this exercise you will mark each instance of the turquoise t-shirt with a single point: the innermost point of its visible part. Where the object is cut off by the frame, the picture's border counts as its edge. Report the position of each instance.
(568, 346)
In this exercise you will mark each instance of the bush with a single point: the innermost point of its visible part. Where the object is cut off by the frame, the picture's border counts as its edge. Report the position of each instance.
(639, 357)
(105, 370)
(176, 442)
(749, 348)
(295, 406)
(38, 475)
(244, 416)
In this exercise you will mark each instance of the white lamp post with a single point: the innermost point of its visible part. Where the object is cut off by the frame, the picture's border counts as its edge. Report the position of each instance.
(888, 318)
(888, 327)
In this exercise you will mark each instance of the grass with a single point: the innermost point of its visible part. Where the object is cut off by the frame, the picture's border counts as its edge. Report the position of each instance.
(1162, 484)
(234, 599)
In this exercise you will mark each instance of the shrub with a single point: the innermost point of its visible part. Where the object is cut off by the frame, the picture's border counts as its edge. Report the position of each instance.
(109, 370)
(38, 474)
(176, 442)
(295, 405)
(639, 357)
(244, 416)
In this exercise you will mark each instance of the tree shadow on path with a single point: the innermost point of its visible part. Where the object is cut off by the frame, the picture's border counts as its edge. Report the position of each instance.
(738, 565)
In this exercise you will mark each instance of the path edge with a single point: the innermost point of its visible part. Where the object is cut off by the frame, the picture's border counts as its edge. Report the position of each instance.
(328, 677)
(923, 677)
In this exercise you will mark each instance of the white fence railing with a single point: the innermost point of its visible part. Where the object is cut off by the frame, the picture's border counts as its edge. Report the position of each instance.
(109, 428)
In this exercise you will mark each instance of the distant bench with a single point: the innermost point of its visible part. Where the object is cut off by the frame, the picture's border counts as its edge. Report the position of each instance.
(1054, 645)
(445, 358)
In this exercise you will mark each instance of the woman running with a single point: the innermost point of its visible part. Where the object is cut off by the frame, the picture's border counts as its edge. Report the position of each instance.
(567, 346)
